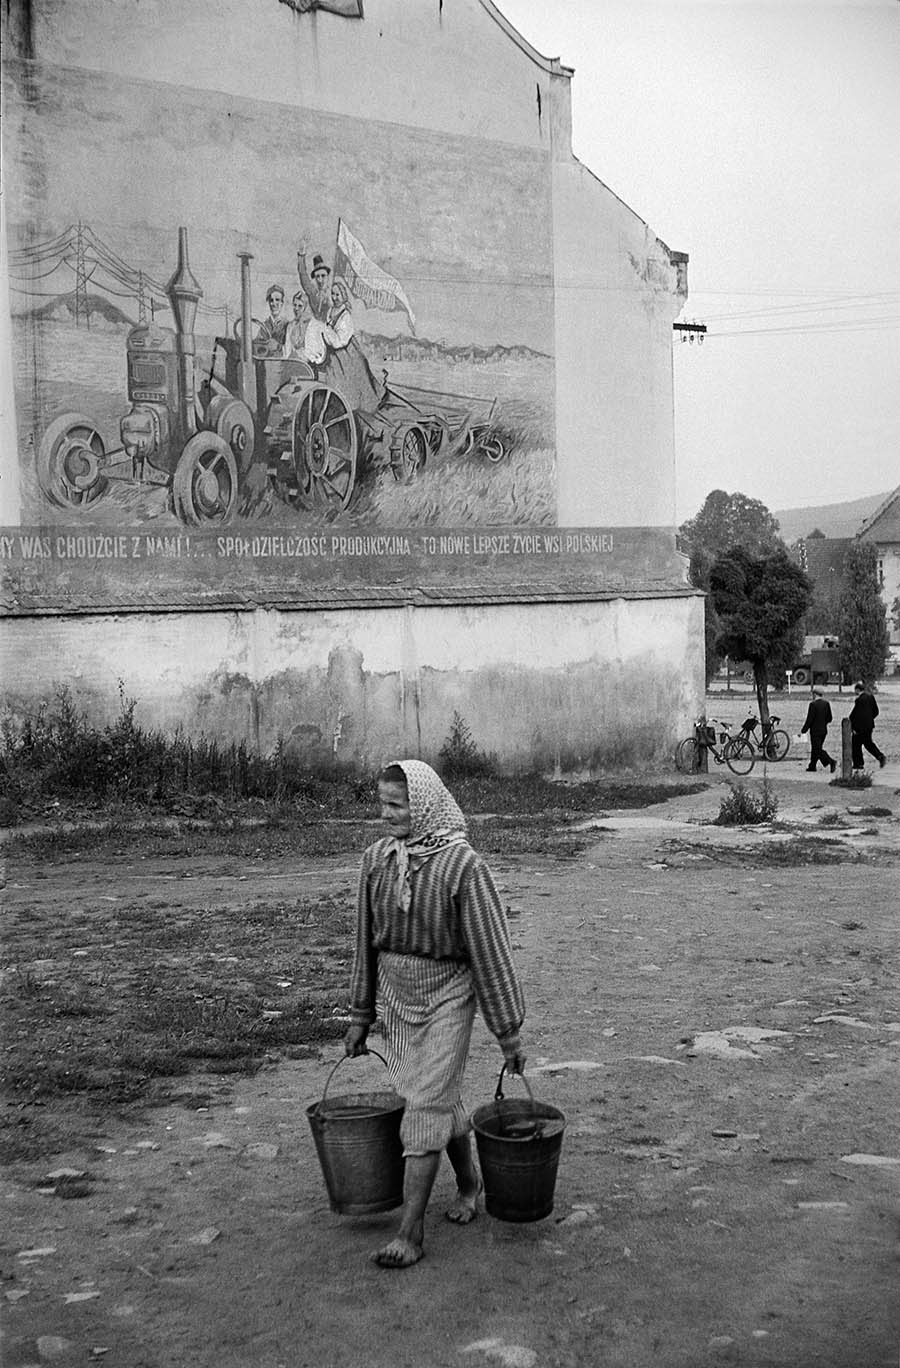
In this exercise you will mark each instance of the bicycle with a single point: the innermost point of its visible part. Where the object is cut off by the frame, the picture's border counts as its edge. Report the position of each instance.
(774, 743)
(736, 752)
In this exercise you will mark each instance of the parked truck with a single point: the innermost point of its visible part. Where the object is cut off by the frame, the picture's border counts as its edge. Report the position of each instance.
(818, 663)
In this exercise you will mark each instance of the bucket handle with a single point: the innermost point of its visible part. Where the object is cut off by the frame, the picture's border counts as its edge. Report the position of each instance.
(341, 1061)
(498, 1095)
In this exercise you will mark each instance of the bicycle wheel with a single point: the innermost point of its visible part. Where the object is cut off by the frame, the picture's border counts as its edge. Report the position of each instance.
(687, 755)
(778, 744)
(740, 757)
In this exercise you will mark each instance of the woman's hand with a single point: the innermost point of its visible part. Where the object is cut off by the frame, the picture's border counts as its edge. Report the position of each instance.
(355, 1041)
(515, 1059)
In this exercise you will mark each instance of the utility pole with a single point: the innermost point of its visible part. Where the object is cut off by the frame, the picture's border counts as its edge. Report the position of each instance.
(690, 332)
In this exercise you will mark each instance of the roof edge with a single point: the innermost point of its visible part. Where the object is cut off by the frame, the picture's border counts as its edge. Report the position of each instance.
(869, 522)
(552, 65)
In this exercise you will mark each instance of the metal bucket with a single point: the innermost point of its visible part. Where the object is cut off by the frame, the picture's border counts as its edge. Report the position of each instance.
(518, 1145)
(357, 1139)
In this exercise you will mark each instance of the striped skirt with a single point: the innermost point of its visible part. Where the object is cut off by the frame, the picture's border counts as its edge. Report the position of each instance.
(427, 1008)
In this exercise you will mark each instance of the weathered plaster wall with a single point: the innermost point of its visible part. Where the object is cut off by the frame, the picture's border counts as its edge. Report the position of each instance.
(568, 687)
(616, 302)
(451, 67)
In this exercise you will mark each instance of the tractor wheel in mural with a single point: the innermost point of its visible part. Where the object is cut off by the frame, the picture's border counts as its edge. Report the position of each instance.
(205, 483)
(325, 446)
(232, 420)
(71, 461)
(409, 446)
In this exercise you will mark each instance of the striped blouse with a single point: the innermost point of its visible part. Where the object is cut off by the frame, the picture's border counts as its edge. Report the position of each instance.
(456, 915)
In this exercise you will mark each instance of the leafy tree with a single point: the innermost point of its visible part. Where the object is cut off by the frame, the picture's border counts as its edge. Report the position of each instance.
(729, 520)
(895, 613)
(760, 601)
(862, 624)
(698, 574)
(822, 618)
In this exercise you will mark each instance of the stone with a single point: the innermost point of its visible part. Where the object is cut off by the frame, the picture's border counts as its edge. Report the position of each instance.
(53, 1347)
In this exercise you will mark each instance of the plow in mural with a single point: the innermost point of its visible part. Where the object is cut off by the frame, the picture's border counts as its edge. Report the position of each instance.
(294, 398)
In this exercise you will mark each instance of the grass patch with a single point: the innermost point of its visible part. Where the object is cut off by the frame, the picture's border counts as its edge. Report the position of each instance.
(251, 830)
(248, 840)
(538, 836)
(803, 850)
(106, 1009)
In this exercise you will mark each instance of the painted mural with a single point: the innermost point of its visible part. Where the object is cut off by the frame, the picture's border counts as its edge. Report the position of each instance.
(292, 411)
(265, 353)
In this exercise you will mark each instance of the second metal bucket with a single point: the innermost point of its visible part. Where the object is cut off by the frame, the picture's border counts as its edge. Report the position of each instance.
(357, 1139)
(518, 1144)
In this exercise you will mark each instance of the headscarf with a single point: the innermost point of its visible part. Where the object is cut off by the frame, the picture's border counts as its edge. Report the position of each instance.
(436, 821)
(343, 304)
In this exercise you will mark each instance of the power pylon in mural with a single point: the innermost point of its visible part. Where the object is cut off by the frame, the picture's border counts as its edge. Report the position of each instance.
(82, 310)
(94, 263)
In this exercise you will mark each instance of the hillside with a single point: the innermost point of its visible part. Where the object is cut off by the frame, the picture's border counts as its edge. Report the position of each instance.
(61, 309)
(834, 520)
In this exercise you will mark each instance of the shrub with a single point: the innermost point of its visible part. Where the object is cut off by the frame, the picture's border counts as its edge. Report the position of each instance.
(459, 756)
(743, 807)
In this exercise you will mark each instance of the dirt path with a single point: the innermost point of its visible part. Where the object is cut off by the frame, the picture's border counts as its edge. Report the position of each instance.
(722, 1198)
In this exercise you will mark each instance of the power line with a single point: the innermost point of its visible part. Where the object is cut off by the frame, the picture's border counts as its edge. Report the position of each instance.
(846, 325)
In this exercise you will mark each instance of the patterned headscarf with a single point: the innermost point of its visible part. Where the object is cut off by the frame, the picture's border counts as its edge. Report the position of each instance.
(436, 821)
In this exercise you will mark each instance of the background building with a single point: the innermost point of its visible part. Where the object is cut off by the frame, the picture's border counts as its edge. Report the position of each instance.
(883, 529)
(452, 491)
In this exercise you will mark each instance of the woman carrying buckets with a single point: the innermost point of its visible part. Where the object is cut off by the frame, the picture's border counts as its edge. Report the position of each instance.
(431, 942)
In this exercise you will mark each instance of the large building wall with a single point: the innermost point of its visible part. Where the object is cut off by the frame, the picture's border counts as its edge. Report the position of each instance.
(523, 450)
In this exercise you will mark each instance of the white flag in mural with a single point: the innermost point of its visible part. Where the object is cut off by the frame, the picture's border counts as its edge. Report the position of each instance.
(366, 279)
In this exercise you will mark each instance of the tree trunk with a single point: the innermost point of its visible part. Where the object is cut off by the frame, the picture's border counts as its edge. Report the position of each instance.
(761, 681)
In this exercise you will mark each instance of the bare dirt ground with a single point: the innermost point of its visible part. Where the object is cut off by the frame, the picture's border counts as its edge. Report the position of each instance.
(714, 1010)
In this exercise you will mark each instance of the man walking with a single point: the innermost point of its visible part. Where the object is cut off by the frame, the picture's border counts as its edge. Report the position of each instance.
(862, 725)
(818, 717)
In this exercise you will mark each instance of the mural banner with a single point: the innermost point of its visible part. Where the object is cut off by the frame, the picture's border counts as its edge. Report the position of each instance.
(95, 569)
(366, 279)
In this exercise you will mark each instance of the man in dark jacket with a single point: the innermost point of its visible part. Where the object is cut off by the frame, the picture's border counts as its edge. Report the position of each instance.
(817, 718)
(862, 724)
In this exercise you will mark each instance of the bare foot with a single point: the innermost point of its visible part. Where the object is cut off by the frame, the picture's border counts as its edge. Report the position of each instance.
(465, 1208)
(398, 1253)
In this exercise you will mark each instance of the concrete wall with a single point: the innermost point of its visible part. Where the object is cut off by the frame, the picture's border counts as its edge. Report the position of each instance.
(559, 686)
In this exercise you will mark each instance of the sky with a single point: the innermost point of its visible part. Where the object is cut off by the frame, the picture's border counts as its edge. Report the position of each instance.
(764, 141)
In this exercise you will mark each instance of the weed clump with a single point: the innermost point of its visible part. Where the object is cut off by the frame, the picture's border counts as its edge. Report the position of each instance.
(858, 780)
(56, 753)
(743, 807)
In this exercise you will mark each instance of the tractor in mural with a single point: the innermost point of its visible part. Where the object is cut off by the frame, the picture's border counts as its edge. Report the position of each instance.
(320, 448)
(202, 440)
